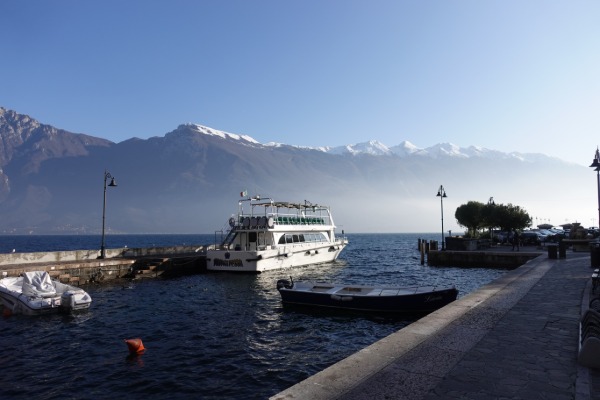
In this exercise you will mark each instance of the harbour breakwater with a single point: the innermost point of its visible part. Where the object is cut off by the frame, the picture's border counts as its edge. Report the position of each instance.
(87, 266)
(473, 253)
(477, 259)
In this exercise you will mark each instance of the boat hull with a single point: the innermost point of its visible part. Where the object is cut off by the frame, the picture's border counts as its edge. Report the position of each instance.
(272, 259)
(17, 305)
(368, 299)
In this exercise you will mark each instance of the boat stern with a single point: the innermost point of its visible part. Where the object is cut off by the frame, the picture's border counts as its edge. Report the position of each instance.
(73, 300)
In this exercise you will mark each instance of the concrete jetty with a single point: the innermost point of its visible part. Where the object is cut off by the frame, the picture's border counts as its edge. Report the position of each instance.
(514, 338)
(85, 266)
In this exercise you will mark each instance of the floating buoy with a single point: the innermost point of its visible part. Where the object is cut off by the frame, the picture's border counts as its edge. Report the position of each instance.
(135, 346)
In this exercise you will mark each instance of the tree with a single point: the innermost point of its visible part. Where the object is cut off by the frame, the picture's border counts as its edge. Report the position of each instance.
(475, 216)
(509, 217)
(470, 216)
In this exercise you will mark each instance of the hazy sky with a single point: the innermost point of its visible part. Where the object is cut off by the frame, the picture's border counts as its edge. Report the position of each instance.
(506, 75)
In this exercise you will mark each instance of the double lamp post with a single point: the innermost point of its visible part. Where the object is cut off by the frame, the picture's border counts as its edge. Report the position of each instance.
(596, 165)
(442, 194)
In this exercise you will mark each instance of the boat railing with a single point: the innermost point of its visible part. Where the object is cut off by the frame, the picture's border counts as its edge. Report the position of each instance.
(252, 221)
(295, 220)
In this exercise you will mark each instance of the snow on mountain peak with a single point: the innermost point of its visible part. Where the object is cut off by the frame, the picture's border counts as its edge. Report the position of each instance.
(372, 147)
(376, 148)
(406, 148)
(445, 149)
(225, 135)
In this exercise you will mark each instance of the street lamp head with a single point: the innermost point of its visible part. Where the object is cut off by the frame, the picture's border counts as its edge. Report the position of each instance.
(596, 162)
(112, 182)
(441, 192)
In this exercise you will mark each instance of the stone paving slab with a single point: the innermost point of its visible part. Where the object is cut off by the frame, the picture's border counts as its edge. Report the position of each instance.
(515, 338)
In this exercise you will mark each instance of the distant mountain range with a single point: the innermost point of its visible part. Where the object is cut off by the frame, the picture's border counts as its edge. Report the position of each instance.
(376, 148)
(51, 181)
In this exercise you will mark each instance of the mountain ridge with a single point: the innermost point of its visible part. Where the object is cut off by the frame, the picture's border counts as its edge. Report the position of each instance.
(375, 147)
(188, 180)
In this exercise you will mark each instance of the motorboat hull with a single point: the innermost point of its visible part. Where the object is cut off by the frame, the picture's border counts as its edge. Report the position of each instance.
(273, 259)
(20, 304)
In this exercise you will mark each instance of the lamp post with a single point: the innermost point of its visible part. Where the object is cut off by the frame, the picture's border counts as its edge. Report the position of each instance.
(491, 203)
(112, 183)
(441, 194)
(596, 165)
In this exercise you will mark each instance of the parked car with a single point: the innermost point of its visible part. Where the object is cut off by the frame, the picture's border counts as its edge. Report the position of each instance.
(531, 238)
(559, 233)
(501, 237)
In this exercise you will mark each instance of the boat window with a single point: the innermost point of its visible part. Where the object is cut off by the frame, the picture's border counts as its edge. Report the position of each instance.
(301, 238)
(311, 237)
(296, 238)
(252, 237)
(282, 239)
(289, 239)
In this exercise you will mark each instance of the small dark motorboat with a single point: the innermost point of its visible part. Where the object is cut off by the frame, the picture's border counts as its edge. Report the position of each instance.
(385, 299)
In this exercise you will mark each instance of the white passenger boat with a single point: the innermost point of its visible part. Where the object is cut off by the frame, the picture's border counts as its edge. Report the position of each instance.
(267, 235)
(35, 293)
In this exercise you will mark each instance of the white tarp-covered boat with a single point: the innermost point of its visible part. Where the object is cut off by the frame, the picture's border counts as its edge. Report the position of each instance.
(35, 293)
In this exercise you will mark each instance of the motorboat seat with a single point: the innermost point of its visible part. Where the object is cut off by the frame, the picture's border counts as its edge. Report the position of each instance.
(38, 284)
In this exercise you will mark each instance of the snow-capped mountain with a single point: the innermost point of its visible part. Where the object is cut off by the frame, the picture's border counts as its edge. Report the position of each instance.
(215, 132)
(372, 147)
(406, 148)
(189, 180)
(376, 148)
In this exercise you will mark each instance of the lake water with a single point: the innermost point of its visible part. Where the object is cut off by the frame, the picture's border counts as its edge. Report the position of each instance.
(210, 335)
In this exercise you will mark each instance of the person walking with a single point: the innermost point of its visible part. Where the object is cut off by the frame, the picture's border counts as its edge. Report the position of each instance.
(515, 240)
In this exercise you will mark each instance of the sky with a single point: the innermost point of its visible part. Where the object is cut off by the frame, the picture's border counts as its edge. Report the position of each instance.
(506, 75)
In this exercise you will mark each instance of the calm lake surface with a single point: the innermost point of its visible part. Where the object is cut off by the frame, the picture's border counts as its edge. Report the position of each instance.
(210, 335)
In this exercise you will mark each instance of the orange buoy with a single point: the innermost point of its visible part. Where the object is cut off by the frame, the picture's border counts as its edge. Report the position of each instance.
(135, 346)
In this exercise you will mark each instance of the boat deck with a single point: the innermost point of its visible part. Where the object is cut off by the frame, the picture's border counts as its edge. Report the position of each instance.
(364, 290)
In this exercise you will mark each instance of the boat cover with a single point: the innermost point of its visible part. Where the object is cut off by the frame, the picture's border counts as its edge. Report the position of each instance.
(38, 284)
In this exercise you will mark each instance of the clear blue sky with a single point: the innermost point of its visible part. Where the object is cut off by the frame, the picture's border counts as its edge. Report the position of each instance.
(506, 75)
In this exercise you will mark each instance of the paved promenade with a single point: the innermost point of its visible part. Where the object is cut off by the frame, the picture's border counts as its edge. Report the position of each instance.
(515, 338)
